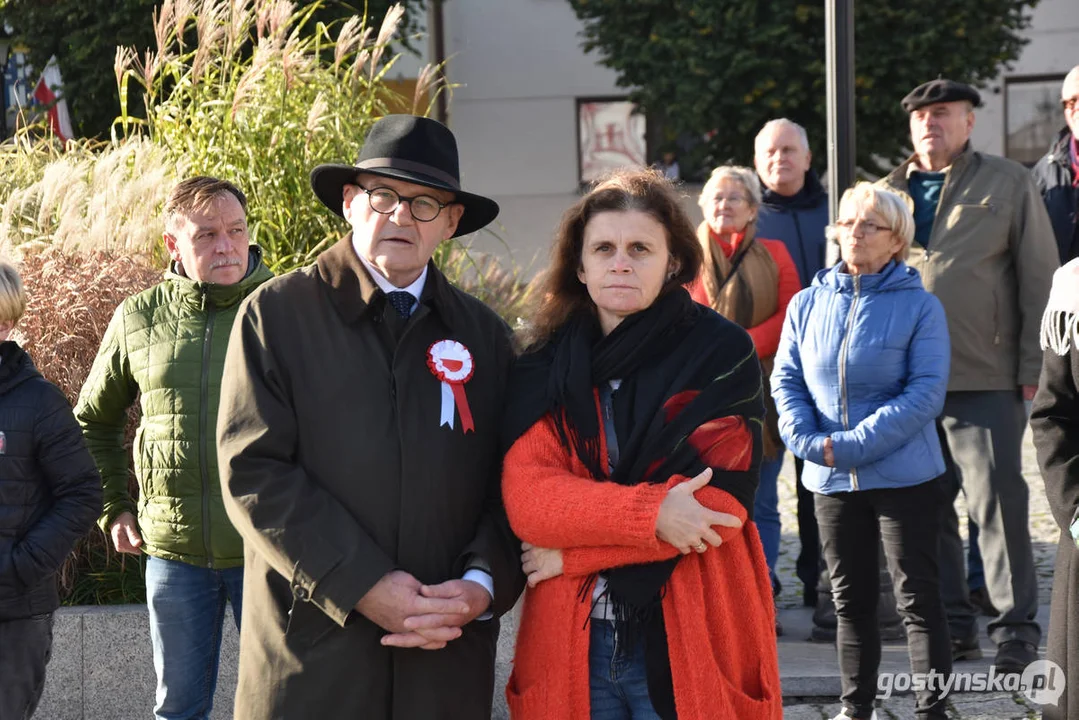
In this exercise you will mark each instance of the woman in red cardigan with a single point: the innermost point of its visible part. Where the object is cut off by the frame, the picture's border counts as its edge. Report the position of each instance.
(750, 281)
(633, 426)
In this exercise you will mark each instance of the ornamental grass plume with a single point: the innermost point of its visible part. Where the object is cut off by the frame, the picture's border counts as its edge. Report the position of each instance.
(90, 196)
(265, 95)
(504, 290)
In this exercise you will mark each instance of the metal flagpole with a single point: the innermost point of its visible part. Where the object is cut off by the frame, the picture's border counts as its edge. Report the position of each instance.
(839, 63)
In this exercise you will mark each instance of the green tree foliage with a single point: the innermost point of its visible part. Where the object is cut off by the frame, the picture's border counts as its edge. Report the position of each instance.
(732, 65)
(84, 35)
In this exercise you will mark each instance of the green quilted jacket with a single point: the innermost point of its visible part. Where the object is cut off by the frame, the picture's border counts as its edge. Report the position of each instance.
(166, 346)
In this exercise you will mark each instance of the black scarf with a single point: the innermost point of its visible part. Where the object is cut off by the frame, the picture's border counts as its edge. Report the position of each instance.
(673, 346)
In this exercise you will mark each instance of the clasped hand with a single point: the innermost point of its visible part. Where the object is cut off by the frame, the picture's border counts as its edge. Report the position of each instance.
(682, 522)
(422, 616)
(687, 524)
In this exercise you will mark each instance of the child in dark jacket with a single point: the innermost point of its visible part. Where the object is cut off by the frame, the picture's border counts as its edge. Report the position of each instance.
(50, 495)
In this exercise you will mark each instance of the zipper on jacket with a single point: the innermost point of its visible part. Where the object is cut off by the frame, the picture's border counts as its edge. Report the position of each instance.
(204, 416)
(843, 349)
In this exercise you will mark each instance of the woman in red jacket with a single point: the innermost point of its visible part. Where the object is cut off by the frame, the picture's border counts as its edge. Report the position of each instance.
(633, 426)
(750, 281)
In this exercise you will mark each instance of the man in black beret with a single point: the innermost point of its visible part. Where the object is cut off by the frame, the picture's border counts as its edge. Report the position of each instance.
(941, 91)
(984, 246)
(358, 442)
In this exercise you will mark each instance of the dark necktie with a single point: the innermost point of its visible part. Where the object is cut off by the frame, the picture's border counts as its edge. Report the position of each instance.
(402, 302)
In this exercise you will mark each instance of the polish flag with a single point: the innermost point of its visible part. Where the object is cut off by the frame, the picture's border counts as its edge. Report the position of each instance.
(47, 93)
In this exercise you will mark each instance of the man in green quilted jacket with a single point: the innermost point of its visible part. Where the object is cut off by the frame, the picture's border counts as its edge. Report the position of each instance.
(166, 347)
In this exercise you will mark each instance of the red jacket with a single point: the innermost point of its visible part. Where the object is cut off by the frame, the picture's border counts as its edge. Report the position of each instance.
(718, 608)
(766, 335)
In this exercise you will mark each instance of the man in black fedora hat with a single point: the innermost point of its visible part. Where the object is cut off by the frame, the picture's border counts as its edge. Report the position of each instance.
(360, 409)
(984, 246)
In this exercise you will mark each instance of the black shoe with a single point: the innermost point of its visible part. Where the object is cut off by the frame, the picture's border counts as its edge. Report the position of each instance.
(1013, 656)
(979, 598)
(966, 648)
(779, 628)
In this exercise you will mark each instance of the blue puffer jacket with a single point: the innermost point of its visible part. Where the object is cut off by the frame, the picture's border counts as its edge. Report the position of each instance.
(863, 359)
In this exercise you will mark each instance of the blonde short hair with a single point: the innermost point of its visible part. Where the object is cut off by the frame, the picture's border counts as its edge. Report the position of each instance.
(891, 207)
(12, 295)
(746, 176)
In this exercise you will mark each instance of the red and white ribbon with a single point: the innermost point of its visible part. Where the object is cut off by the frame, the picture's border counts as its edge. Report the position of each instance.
(451, 363)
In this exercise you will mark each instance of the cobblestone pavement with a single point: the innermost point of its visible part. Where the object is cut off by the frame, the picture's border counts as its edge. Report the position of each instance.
(967, 706)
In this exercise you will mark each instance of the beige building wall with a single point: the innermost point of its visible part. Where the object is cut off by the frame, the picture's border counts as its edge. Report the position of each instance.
(520, 70)
(1010, 101)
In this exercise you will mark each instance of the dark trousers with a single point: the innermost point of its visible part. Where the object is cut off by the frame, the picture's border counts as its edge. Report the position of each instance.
(808, 564)
(981, 434)
(25, 646)
(852, 527)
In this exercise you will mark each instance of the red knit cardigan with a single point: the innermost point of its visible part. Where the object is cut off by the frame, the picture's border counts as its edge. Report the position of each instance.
(718, 608)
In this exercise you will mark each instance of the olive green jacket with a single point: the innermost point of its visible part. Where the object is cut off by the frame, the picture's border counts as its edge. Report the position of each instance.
(166, 347)
(990, 260)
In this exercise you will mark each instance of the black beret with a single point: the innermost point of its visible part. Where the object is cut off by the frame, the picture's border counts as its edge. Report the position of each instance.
(938, 91)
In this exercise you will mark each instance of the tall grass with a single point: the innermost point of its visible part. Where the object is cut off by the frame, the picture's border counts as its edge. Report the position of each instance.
(87, 196)
(502, 287)
(262, 97)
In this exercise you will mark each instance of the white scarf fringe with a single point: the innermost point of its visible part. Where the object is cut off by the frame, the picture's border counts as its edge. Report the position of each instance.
(1060, 330)
(1060, 323)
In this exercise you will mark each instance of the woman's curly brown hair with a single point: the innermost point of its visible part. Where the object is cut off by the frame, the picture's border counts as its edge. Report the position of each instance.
(561, 291)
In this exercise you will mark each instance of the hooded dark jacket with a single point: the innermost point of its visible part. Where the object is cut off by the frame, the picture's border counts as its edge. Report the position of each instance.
(799, 221)
(1055, 180)
(50, 492)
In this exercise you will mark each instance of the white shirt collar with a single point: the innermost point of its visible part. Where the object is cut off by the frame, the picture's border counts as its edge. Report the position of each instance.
(415, 289)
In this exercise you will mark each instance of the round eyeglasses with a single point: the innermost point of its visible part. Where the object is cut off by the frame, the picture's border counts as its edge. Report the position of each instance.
(385, 201)
(867, 227)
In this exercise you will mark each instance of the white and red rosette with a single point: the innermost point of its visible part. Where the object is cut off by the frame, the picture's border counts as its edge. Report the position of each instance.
(452, 364)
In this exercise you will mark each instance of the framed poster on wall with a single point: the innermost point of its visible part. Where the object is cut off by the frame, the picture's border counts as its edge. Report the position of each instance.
(610, 135)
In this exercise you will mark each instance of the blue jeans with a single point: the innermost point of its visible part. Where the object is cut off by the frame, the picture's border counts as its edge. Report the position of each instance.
(766, 512)
(187, 611)
(619, 686)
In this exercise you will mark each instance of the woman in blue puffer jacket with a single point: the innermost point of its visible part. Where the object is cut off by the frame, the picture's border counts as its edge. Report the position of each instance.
(859, 379)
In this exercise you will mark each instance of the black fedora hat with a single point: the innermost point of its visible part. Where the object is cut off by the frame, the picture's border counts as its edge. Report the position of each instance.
(413, 149)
